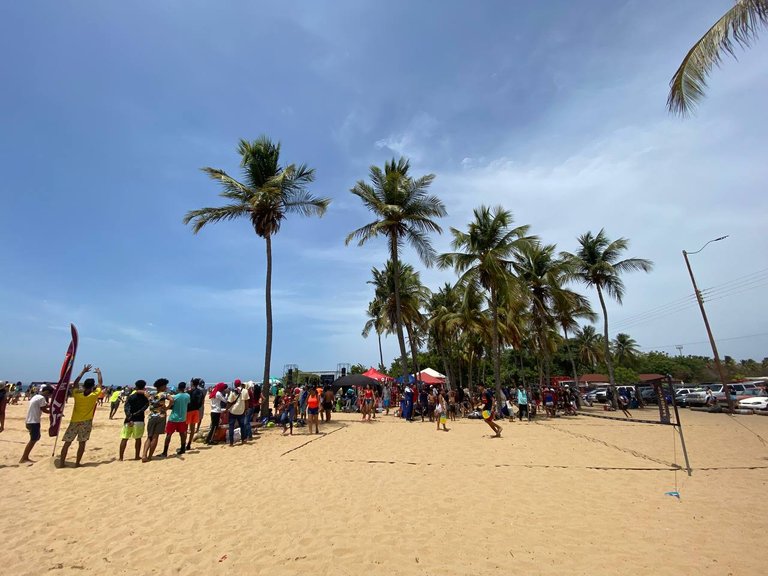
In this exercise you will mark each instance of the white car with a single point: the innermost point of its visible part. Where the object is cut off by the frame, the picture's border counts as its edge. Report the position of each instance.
(755, 403)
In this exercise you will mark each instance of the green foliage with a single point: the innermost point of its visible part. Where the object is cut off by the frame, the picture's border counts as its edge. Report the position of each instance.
(625, 375)
(358, 368)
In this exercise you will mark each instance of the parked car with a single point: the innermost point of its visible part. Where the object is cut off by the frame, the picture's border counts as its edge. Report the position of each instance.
(648, 395)
(591, 396)
(681, 395)
(754, 403)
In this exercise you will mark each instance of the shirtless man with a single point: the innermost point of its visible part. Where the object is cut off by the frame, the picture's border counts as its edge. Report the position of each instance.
(328, 403)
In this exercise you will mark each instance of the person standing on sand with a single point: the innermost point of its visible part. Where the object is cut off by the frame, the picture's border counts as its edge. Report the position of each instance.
(3, 403)
(408, 396)
(288, 411)
(177, 420)
(386, 398)
(441, 409)
(522, 403)
(253, 405)
(328, 403)
(81, 422)
(37, 405)
(218, 405)
(196, 401)
(489, 405)
(367, 406)
(313, 408)
(114, 401)
(133, 425)
(158, 406)
(237, 402)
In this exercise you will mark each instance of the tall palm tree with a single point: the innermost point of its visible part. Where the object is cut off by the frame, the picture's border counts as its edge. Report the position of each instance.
(542, 275)
(589, 346)
(569, 307)
(483, 255)
(404, 213)
(377, 321)
(597, 264)
(738, 26)
(441, 309)
(471, 320)
(265, 194)
(625, 349)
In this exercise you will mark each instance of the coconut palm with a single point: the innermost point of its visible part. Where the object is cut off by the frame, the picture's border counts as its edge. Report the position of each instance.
(471, 320)
(265, 194)
(483, 255)
(441, 309)
(738, 26)
(589, 346)
(404, 214)
(625, 349)
(377, 321)
(597, 264)
(413, 295)
(569, 307)
(542, 276)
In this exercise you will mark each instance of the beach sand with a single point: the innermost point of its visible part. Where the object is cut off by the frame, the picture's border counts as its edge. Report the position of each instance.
(561, 496)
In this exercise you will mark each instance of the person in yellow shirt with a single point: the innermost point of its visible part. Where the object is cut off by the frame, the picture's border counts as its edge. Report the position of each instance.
(81, 422)
(114, 401)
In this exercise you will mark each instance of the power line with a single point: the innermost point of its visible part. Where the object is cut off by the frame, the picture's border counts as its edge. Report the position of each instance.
(745, 278)
(707, 341)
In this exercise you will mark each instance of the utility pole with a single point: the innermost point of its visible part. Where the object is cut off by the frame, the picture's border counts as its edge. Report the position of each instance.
(700, 300)
(679, 350)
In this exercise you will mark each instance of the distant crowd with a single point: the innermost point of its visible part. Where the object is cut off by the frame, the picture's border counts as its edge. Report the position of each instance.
(149, 412)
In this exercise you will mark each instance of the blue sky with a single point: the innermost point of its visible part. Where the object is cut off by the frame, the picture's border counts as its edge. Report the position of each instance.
(554, 110)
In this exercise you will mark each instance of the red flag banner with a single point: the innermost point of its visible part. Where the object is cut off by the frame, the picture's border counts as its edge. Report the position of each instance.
(59, 397)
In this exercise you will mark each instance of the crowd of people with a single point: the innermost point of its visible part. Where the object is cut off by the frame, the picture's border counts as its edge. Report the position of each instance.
(150, 412)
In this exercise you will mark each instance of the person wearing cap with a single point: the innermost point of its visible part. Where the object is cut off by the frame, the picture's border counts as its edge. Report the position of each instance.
(81, 422)
(158, 406)
(237, 402)
(133, 425)
(37, 405)
(218, 405)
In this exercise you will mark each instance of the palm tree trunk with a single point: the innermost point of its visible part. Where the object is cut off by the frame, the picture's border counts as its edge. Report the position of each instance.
(414, 351)
(607, 349)
(573, 367)
(381, 354)
(496, 359)
(446, 367)
(268, 351)
(398, 311)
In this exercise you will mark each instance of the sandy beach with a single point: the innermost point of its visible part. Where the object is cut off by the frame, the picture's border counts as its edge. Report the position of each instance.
(562, 496)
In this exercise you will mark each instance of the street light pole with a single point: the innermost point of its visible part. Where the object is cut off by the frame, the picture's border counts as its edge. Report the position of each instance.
(700, 300)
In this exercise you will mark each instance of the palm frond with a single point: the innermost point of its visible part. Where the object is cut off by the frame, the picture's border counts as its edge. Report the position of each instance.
(739, 26)
(204, 216)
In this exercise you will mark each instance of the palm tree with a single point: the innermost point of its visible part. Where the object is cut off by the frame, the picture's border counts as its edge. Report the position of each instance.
(404, 213)
(483, 255)
(471, 320)
(441, 308)
(625, 349)
(413, 295)
(377, 321)
(589, 346)
(569, 307)
(737, 26)
(265, 194)
(542, 275)
(597, 264)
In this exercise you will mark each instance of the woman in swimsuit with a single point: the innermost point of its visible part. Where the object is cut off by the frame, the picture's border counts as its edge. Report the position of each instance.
(367, 402)
(313, 409)
(440, 412)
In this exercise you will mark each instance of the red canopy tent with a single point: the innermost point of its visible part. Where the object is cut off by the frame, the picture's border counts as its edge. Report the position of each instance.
(376, 375)
(429, 379)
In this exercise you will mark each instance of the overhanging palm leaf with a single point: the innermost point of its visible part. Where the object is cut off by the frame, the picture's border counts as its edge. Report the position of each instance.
(738, 26)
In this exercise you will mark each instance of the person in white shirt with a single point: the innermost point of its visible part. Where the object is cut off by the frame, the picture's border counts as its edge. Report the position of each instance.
(237, 402)
(218, 405)
(37, 405)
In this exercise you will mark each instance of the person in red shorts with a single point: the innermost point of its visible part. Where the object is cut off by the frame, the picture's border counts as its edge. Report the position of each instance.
(177, 419)
(196, 401)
